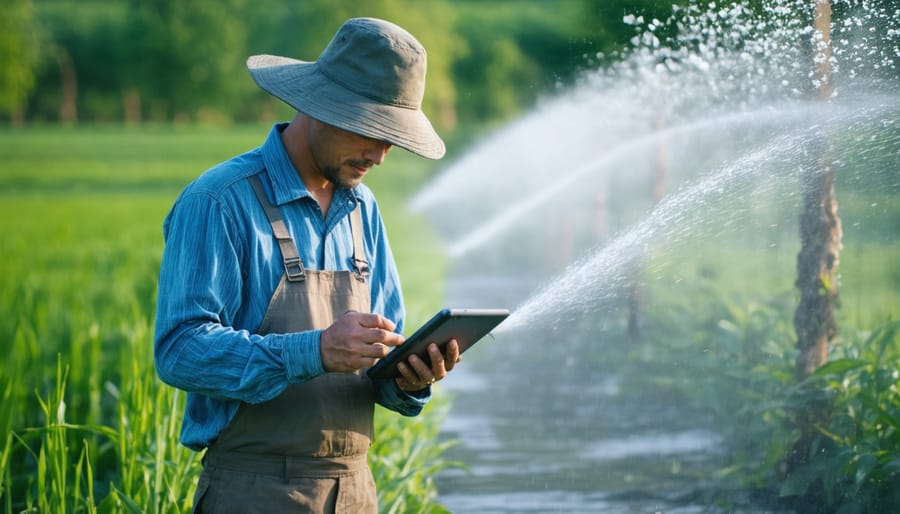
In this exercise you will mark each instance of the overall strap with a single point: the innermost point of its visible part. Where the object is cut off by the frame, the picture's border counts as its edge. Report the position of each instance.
(293, 266)
(359, 254)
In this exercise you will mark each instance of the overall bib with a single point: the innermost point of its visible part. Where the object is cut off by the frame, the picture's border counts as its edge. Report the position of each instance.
(305, 450)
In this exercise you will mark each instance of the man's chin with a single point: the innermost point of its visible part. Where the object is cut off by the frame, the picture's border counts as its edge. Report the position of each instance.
(349, 183)
(346, 182)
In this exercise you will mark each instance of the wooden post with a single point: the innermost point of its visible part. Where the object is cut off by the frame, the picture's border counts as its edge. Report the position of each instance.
(820, 233)
(817, 264)
(68, 79)
(131, 106)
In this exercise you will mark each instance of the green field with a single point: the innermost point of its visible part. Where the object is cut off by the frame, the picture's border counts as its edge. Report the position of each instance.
(87, 426)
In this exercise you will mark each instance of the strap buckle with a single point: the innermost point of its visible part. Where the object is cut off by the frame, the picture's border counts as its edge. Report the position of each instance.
(361, 266)
(293, 270)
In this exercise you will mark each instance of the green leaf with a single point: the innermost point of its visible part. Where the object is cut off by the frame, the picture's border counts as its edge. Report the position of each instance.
(128, 502)
(867, 463)
(893, 465)
(882, 336)
(799, 481)
(838, 367)
(883, 415)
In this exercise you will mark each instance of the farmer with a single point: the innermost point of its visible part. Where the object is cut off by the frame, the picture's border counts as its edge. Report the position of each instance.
(278, 289)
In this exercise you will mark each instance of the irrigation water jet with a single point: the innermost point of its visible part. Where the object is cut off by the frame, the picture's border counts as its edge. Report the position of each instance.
(617, 157)
(606, 265)
(554, 415)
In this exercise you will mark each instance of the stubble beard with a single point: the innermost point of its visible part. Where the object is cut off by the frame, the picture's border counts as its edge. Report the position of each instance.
(333, 174)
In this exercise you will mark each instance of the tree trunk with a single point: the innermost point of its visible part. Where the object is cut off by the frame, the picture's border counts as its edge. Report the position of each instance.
(820, 233)
(17, 118)
(131, 106)
(817, 265)
(68, 78)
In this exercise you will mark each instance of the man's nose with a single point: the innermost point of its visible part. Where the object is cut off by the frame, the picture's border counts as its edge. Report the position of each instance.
(377, 151)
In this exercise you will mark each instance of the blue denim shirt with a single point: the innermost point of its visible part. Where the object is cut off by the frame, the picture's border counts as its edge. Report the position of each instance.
(221, 266)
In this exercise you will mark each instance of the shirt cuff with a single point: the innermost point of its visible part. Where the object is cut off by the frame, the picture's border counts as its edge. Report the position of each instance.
(303, 356)
(389, 395)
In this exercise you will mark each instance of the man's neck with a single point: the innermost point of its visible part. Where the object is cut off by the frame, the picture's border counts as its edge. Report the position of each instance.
(323, 195)
(294, 139)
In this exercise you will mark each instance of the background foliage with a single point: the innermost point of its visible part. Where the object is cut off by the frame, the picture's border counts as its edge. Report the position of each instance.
(167, 60)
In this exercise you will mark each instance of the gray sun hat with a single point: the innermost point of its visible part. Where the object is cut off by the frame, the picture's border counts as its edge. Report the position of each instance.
(369, 80)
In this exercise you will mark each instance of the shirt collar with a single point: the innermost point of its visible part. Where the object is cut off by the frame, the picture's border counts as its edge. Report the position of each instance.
(285, 179)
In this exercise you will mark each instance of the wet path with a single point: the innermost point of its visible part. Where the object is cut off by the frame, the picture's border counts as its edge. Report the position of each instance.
(542, 431)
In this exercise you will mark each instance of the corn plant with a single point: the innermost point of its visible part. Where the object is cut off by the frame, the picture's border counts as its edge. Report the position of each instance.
(405, 456)
(86, 425)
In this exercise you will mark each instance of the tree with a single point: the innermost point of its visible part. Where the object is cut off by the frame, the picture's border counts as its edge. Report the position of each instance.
(184, 57)
(19, 54)
(81, 66)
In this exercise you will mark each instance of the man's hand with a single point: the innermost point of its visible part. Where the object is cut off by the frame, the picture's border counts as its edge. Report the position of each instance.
(416, 375)
(356, 340)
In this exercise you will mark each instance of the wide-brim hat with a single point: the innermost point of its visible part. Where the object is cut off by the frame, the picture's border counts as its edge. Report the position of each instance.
(369, 80)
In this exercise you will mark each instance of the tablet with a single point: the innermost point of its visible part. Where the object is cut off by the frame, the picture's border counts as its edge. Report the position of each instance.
(467, 326)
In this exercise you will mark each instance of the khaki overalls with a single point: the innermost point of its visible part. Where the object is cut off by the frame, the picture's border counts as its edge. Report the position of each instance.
(305, 450)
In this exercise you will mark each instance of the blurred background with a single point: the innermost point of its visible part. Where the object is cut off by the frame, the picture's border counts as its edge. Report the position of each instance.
(168, 61)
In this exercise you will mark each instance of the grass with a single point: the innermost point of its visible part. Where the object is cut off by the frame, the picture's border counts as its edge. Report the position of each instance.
(87, 427)
(86, 424)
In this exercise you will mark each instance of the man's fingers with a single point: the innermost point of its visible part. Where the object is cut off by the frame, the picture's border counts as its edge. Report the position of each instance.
(373, 328)
(437, 359)
(451, 355)
(418, 366)
(370, 320)
(415, 374)
(378, 336)
(375, 350)
(356, 340)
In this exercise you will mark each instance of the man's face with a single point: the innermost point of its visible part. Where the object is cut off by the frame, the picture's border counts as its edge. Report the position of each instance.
(343, 157)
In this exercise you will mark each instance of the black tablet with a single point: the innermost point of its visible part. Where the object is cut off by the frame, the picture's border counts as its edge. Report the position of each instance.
(467, 326)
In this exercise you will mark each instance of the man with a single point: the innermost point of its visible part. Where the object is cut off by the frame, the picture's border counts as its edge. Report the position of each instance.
(278, 288)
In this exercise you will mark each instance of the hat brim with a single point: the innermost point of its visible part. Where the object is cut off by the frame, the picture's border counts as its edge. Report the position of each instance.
(304, 87)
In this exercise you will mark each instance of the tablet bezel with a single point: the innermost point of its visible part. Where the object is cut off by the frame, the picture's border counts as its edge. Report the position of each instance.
(467, 326)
